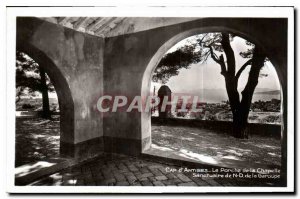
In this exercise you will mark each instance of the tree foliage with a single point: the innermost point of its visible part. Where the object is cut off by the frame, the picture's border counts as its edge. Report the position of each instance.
(28, 79)
(172, 62)
(197, 51)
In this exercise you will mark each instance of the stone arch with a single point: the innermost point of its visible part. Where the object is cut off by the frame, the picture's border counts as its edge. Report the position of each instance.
(152, 64)
(65, 99)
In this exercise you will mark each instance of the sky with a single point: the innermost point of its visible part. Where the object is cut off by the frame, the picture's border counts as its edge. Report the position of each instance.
(207, 75)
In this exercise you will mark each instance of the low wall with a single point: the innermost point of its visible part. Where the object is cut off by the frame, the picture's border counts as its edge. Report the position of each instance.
(268, 130)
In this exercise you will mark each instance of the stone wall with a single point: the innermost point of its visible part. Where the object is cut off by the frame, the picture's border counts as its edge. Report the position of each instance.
(267, 130)
(74, 62)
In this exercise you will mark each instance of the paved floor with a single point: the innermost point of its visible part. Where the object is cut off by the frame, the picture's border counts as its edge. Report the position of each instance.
(36, 139)
(120, 170)
(209, 147)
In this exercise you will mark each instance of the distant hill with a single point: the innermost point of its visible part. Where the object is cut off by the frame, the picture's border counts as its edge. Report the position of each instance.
(273, 92)
(219, 95)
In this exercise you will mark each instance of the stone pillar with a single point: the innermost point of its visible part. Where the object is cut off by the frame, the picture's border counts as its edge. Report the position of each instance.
(74, 63)
(162, 92)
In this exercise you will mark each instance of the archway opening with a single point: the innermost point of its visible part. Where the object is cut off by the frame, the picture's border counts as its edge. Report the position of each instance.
(206, 136)
(54, 128)
(37, 113)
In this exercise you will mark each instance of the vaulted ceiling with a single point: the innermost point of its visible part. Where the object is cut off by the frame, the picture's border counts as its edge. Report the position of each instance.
(114, 26)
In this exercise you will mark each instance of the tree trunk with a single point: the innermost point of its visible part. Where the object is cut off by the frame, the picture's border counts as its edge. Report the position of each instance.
(44, 88)
(240, 125)
(240, 119)
(239, 108)
(239, 116)
(239, 111)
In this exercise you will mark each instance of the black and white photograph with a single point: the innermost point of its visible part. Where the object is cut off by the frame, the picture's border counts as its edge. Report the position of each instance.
(105, 100)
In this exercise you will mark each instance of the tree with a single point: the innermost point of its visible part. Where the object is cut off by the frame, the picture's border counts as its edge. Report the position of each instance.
(31, 78)
(217, 46)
